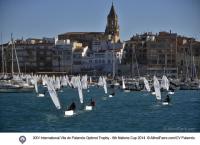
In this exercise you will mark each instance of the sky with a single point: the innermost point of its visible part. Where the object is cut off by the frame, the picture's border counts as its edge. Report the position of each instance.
(48, 18)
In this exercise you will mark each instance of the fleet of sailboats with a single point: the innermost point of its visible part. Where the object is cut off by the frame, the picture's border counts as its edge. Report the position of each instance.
(13, 82)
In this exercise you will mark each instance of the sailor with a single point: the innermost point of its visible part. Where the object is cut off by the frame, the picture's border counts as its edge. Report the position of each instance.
(72, 106)
(92, 103)
(167, 99)
(113, 93)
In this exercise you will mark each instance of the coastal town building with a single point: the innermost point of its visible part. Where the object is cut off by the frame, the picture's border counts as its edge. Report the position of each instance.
(162, 53)
(67, 55)
(33, 55)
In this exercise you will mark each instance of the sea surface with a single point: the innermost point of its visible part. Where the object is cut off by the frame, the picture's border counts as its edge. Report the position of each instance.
(125, 112)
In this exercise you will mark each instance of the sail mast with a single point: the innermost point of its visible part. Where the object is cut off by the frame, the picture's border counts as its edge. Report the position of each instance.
(176, 60)
(113, 55)
(12, 69)
(136, 63)
(2, 54)
(17, 60)
(191, 65)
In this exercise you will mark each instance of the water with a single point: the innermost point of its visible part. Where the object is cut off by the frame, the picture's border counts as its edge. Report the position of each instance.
(126, 112)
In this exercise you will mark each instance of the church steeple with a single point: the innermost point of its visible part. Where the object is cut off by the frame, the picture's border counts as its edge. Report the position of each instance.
(112, 11)
(112, 27)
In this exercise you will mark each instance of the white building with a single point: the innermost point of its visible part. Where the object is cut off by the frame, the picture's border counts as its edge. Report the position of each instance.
(102, 57)
(68, 56)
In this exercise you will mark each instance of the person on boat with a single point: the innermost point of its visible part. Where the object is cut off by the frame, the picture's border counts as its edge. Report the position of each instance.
(113, 93)
(92, 103)
(72, 106)
(44, 92)
(167, 99)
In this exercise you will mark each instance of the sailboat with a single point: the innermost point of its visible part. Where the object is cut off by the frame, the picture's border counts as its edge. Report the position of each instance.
(9, 85)
(190, 81)
(123, 83)
(64, 81)
(105, 85)
(146, 84)
(165, 83)
(53, 94)
(16, 82)
(91, 83)
(76, 82)
(35, 82)
(156, 85)
(84, 82)
(124, 88)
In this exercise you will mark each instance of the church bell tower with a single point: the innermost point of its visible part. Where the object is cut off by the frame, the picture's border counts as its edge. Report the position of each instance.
(112, 27)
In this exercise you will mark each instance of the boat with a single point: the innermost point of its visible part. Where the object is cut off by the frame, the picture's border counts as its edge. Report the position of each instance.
(53, 94)
(8, 87)
(110, 96)
(156, 85)
(146, 84)
(105, 85)
(133, 85)
(88, 108)
(127, 90)
(25, 86)
(69, 113)
(15, 83)
(170, 92)
(40, 95)
(124, 86)
(189, 85)
(165, 103)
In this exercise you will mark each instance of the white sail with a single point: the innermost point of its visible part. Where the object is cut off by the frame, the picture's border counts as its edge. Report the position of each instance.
(80, 90)
(146, 83)
(35, 83)
(84, 82)
(165, 83)
(90, 80)
(44, 80)
(68, 82)
(123, 83)
(156, 85)
(74, 82)
(100, 82)
(104, 85)
(63, 82)
(57, 83)
(53, 94)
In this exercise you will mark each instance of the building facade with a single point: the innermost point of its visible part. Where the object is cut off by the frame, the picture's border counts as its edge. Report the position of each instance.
(33, 55)
(162, 53)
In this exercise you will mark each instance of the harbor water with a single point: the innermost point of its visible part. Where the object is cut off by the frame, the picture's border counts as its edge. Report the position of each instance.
(125, 112)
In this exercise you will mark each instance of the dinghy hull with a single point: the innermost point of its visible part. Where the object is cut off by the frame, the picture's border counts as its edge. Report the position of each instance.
(165, 103)
(88, 108)
(69, 113)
